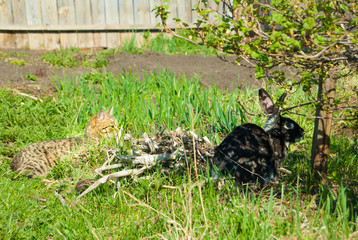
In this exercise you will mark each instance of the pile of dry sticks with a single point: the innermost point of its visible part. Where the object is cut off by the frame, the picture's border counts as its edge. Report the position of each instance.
(172, 149)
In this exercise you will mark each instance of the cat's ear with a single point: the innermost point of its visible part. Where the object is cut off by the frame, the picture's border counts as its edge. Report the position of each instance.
(101, 115)
(96, 118)
(110, 111)
(94, 121)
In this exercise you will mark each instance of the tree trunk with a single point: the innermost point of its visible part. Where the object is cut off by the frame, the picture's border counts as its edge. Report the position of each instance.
(322, 130)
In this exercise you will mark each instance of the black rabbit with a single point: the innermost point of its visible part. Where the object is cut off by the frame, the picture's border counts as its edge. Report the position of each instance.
(252, 154)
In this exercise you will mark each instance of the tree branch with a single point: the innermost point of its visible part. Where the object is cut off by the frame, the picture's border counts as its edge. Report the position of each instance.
(323, 50)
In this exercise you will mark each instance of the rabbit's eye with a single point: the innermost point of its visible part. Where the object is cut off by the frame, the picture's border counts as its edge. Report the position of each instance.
(289, 125)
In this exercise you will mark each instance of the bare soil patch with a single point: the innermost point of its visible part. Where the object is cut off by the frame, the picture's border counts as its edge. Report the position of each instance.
(210, 69)
(225, 75)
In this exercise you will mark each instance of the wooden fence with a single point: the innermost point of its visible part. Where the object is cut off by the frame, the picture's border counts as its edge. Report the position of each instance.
(54, 24)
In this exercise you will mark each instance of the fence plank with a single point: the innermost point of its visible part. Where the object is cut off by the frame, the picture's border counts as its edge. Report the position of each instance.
(153, 20)
(125, 12)
(49, 12)
(173, 9)
(33, 15)
(141, 16)
(83, 16)
(93, 27)
(112, 17)
(6, 13)
(33, 12)
(125, 17)
(66, 16)
(98, 17)
(19, 13)
(194, 15)
(184, 11)
(141, 12)
(52, 24)
(50, 17)
(7, 40)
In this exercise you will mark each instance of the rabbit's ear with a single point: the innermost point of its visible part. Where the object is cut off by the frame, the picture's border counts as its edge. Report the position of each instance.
(266, 103)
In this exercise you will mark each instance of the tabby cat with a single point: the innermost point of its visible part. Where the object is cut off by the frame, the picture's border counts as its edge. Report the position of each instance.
(38, 158)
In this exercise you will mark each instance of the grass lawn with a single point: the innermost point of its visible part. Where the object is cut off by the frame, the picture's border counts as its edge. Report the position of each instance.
(145, 207)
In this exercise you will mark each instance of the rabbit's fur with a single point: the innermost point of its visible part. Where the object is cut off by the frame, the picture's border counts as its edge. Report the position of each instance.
(252, 154)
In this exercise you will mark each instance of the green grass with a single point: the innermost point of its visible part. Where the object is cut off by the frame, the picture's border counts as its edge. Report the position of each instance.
(74, 57)
(63, 58)
(30, 209)
(14, 58)
(174, 45)
(160, 43)
(186, 102)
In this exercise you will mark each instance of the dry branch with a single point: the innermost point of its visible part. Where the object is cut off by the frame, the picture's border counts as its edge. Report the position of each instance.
(150, 143)
(173, 147)
(60, 198)
(284, 170)
(109, 167)
(148, 159)
(132, 172)
(27, 95)
(148, 162)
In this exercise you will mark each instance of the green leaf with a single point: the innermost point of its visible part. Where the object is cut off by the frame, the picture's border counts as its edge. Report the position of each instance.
(291, 42)
(177, 20)
(259, 72)
(275, 46)
(278, 18)
(309, 23)
(276, 36)
(319, 39)
(256, 55)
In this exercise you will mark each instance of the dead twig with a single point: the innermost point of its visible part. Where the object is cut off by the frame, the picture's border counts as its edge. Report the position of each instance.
(284, 170)
(63, 202)
(148, 159)
(124, 173)
(110, 159)
(244, 109)
(59, 232)
(150, 143)
(174, 146)
(27, 95)
(108, 167)
(297, 106)
(170, 187)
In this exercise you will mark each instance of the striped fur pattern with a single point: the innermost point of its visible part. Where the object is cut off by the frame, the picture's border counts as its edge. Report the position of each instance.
(38, 158)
